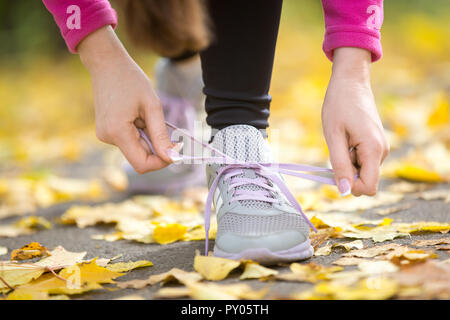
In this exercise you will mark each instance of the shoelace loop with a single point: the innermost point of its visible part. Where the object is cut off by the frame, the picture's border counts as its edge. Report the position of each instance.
(268, 171)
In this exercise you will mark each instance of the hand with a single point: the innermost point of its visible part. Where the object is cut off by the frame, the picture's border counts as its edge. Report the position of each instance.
(124, 101)
(350, 119)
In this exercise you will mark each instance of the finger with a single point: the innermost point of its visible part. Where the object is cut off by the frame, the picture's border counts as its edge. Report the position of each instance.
(157, 131)
(341, 163)
(132, 146)
(369, 174)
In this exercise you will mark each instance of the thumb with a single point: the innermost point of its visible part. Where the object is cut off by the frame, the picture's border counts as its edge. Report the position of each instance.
(157, 130)
(342, 164)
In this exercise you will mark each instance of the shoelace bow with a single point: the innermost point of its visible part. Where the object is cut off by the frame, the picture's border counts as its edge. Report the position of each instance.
(230, 168)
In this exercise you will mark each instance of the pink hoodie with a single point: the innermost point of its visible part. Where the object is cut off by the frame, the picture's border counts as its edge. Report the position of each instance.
(348, 23)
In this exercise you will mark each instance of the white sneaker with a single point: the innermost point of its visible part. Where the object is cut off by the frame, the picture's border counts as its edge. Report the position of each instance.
(255, 220)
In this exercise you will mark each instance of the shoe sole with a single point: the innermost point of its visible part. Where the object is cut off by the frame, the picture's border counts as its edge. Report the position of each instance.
(301, 251)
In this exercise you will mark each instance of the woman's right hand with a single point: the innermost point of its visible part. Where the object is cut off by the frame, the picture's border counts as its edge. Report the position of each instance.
(124, 101)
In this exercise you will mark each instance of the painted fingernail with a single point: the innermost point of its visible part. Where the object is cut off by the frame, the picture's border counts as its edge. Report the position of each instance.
(174, 155)
(344, 187)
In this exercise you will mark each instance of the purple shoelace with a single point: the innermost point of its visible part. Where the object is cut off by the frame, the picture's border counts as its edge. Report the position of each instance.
(267, 173)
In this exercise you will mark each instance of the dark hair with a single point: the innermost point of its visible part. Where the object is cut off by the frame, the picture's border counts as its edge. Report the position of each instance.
(168, 27)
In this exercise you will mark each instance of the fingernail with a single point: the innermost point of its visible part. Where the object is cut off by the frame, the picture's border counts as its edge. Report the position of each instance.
(174, 155)
(344, 187)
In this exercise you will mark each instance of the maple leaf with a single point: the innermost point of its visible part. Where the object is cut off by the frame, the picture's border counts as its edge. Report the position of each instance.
(15, 274)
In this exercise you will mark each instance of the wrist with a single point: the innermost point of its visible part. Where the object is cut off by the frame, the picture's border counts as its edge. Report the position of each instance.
(352, 64)
(101, 49)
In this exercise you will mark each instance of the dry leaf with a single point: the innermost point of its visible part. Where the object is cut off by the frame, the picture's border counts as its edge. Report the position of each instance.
(324, 250)
(377, 267)
(212, 291)
(254, 270)
(29, 251)
(168, 233)
(373, 251)
(308, 272)
(127, 266)
(214, 268)
(3, 250)
(349, 261)
(33, 222)
(430, 242)
(179, 275)
(373, 288)
(172, 293)
(357, 244)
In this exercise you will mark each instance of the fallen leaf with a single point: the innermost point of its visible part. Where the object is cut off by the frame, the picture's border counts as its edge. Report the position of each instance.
(127, 266)
(33, 222)
(424, 226)
(349, 261)
(373, 251)
(213, 291)
(323, 251)
(308, 272)
(254, 270)
(172, 293)
(373, 288)
(214, 268)
(357, 244)
(430, 242)
(377, 234)
(3, 250)
(11, 231)
(31, 250)
(377, 267)
(168, 233)
(386, 211)
(179, 275)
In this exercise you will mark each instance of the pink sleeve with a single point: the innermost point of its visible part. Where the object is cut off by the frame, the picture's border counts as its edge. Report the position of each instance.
(353, 23)
(78, 18)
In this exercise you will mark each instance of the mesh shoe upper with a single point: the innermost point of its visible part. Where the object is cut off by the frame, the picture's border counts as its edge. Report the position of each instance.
(250, 218)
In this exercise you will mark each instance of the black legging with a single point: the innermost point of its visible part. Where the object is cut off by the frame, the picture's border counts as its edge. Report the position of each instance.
(237, 67)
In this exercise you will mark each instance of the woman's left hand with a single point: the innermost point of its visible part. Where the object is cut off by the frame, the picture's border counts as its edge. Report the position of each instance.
(350, 121)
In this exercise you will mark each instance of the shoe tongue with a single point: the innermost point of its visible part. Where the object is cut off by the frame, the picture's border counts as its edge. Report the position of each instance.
(243, 143)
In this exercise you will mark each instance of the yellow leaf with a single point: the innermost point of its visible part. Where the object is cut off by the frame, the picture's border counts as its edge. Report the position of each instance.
(415, 172)
(127, 266)
(424, 226)
(357, 244)
(254, 270)
(33, 222)
(323, 251)
(373, 288)
(214, 268)
(78, 279)
(168, 233)
(213, 291)
(173, 274)
(310, 272)
(31, 250)
(440, 114)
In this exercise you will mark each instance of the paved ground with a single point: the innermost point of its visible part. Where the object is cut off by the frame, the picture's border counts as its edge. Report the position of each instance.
(181, 254)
